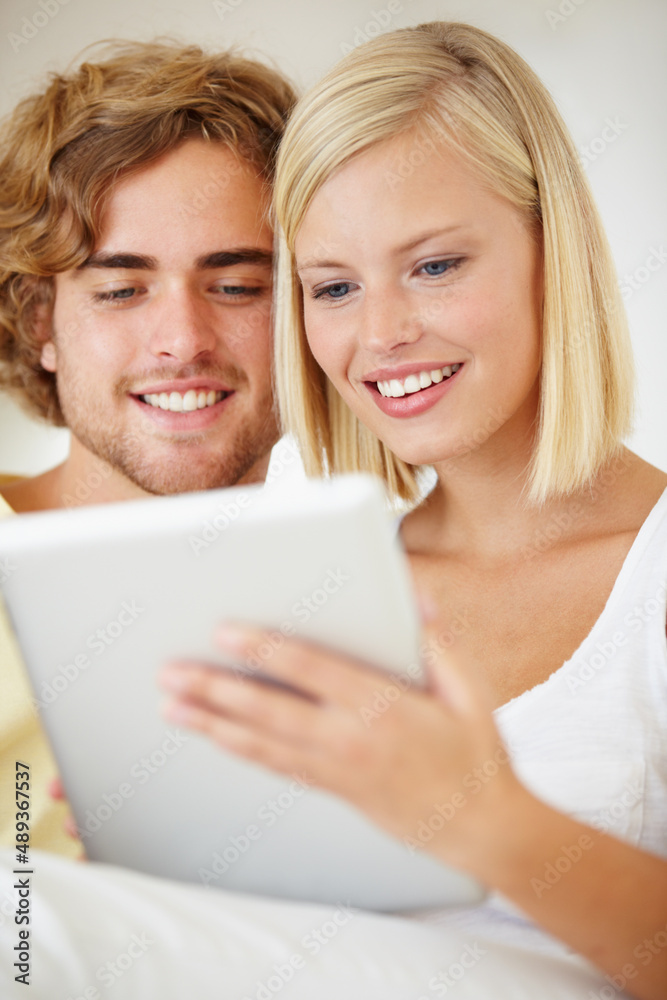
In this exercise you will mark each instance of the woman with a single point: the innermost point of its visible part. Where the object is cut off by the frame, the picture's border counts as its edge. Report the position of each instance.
(447, 299)
(433, 209)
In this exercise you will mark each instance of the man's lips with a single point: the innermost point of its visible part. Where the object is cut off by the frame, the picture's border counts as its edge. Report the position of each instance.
(183, 396)
(182, 385)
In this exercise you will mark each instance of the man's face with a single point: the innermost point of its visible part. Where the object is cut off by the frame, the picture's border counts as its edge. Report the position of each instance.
(161, 340)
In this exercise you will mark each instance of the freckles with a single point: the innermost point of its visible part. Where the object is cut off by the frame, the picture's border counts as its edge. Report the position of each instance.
(321, 344)
(334, 362)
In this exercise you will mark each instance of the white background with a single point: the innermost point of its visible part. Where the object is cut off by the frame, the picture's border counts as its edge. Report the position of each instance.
(602, 60)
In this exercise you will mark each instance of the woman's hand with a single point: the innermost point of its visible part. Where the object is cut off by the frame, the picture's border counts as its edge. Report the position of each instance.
(427, 763)
(57, 793)
(430, 768)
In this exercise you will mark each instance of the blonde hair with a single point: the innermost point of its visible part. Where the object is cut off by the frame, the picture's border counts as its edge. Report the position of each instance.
(62, 149)
(462, 86)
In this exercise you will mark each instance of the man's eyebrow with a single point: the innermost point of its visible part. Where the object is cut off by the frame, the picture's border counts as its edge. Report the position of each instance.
(207, 262)
(229, 258)
(119, 261)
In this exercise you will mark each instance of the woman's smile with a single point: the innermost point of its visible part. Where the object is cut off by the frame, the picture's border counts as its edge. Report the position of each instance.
(423, 304)
(415, 393)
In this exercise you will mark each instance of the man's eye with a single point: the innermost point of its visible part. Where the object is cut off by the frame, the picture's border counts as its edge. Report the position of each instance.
(337, 291)
(115, 295)
(237, 291)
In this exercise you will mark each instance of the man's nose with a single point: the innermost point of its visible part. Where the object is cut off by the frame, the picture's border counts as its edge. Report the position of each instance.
(182, 328)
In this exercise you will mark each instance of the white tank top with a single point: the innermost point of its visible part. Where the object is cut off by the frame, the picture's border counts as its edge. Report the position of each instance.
(592, 739)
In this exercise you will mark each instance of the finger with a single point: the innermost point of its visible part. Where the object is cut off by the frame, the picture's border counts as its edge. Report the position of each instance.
(242, 740)
(55, 789)
(259, 705)
(70, 826)
(321, 673)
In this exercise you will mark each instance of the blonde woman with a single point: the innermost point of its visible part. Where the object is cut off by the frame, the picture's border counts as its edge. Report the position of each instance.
(447, 299)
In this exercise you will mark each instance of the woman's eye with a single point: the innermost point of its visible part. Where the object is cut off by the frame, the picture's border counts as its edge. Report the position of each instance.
(437, 267)
(337, 291)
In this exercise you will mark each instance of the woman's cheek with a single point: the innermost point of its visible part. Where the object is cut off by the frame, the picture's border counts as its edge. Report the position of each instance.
(329, 348)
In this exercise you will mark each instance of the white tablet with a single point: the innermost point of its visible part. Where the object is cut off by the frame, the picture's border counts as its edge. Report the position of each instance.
(101, 597)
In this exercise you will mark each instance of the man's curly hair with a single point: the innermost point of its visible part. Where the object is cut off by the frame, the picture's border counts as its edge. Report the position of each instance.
(62, 149)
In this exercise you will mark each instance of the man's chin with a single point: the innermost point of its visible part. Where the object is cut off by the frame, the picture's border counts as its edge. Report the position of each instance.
(166, 467)
(167, 480)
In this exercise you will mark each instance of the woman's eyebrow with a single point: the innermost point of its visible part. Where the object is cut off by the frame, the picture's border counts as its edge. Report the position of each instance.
(430, 235)
(313, 263)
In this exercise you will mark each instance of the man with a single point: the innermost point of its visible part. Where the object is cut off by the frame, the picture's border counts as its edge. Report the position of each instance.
(135, 297)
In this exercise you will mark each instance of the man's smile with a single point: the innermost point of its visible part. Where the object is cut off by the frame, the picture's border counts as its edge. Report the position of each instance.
(186, 402)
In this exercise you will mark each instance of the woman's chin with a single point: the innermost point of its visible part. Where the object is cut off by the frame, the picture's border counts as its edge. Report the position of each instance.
(421, 456)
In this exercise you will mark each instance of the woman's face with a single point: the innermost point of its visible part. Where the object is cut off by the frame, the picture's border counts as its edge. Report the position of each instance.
(423, 297)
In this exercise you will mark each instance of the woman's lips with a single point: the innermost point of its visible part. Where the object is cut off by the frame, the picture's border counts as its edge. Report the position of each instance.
(415, 403)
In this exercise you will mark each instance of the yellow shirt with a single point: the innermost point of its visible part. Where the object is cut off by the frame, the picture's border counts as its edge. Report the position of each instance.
(22, 739)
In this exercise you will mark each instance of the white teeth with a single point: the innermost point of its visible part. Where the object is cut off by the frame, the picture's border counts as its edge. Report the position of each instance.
(187, 402)
(413, 383)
